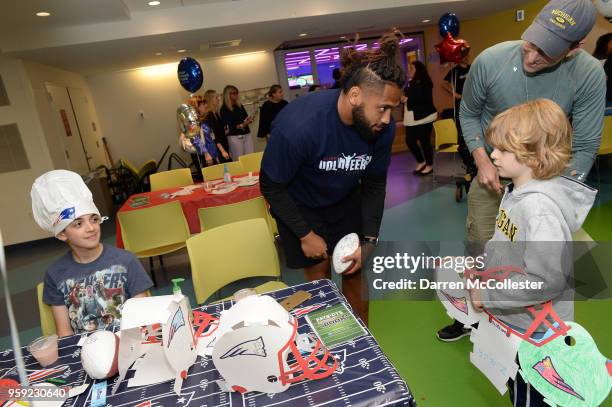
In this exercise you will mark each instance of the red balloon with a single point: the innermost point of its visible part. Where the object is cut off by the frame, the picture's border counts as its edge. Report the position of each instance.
(451, 49)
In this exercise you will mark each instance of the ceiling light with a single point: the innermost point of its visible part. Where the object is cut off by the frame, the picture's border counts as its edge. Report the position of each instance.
(180, 51)
(427, 20)
(343, 37)
(43, 14)
(303, 34)
(154, 3)
(158, 53)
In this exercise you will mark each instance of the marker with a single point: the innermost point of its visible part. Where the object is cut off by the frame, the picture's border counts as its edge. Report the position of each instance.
(56, 381)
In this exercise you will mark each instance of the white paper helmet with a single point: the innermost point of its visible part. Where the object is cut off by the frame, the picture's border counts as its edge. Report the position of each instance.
(58, 198)
(256, 350)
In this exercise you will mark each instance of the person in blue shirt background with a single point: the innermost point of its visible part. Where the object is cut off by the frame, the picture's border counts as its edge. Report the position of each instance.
(324, 170)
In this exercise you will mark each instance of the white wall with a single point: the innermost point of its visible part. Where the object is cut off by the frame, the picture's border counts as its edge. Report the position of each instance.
(155, 91)
(38, 76)
(16, 220)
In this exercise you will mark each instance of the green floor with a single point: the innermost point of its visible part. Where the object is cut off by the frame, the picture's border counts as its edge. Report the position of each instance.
(438, 373)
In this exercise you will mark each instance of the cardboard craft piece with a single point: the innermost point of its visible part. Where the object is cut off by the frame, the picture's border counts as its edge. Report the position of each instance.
(494, 352)
(295, 299)
(569, 370)
(173, 313)
(456, 301)
(345, 247)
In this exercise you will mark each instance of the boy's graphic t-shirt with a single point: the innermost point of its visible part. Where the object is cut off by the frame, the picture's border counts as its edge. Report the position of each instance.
(95, 292)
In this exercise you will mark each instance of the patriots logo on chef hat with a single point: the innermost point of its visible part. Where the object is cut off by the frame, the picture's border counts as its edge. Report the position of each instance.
(67, 213)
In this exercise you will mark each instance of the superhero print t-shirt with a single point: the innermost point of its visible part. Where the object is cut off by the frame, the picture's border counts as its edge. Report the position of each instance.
(94, 293)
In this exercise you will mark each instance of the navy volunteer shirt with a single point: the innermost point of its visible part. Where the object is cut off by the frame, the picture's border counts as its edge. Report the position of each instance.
(320, 159)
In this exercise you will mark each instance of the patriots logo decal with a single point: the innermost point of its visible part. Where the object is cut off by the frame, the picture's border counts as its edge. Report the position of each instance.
(459, 303)
(177, 321)
(253, 347)
(67, 213)
(547, 370)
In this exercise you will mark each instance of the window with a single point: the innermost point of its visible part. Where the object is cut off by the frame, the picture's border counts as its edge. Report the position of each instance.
(12, 153)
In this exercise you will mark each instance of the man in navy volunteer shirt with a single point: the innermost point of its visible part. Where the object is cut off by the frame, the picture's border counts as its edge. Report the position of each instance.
(324, 169)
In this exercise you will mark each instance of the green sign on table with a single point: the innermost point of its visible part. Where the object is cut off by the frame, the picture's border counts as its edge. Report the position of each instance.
(335, 325)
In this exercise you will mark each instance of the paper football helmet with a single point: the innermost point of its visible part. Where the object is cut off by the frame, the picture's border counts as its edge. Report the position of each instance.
(256, 349)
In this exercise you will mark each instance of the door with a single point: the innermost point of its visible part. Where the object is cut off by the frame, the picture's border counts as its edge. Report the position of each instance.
(88, 128)
(68, 129)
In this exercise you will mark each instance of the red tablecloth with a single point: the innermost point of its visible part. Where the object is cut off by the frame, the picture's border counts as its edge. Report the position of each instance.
(190, 203)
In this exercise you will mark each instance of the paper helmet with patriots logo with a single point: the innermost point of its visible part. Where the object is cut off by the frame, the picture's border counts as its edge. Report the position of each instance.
(58, 198)
(256, 349)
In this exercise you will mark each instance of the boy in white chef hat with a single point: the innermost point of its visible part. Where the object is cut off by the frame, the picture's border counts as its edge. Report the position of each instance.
(92, 280)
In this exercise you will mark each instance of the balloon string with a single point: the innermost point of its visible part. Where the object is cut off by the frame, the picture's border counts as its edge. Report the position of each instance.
(453, 84)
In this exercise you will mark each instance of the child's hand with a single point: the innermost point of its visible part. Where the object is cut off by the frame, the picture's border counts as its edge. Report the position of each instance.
(208, 159)
(225, 154)
(475, 298)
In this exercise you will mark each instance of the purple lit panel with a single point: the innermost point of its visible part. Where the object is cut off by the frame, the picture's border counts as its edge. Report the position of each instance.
(358, 47)
(327, 59)
(403, 41)
(299, 69)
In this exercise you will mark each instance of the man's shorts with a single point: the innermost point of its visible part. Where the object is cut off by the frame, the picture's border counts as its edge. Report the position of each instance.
(332, 223)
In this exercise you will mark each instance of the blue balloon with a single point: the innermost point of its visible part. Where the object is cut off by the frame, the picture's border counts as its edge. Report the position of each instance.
(449, 23)
(190, 74)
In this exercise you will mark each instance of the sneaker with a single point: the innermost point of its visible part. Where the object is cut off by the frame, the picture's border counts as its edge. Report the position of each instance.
(453, 332)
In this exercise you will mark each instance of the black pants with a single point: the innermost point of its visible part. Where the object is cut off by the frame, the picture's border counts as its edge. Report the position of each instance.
(421, 133)
(331, 223)
(523, 394)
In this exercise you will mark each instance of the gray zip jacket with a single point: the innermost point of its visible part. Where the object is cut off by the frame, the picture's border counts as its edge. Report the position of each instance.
(533, 234)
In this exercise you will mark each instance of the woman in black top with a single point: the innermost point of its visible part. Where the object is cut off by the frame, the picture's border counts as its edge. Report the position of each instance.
(270, 109)
(213, 119)
(421, 114)
(235, 118)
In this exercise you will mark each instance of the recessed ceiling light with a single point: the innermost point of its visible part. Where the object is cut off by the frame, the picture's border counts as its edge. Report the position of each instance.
(426, 20)
(154, 3)
(43, 14)
(158, 53)
(180, 51)
(343, 37)
(303, 34)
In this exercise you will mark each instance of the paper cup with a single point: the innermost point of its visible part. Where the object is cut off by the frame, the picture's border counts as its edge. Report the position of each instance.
(44, 350)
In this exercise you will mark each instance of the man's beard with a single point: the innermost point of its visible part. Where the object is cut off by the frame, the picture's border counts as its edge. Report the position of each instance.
(363, 127)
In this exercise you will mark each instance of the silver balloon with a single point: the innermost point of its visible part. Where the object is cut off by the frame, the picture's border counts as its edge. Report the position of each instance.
(605, 8)
(187, 118)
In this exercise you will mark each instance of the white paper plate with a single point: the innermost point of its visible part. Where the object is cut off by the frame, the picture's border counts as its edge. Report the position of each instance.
(246, 181)
(345, 247)
(224, 189)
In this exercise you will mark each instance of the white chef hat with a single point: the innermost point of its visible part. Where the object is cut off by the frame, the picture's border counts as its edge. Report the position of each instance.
(58, 198)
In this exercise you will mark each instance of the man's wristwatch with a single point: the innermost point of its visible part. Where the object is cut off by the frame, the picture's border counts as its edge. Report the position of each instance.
(370, 240)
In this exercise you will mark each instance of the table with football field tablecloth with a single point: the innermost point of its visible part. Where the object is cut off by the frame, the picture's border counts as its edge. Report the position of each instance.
(364, 377)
